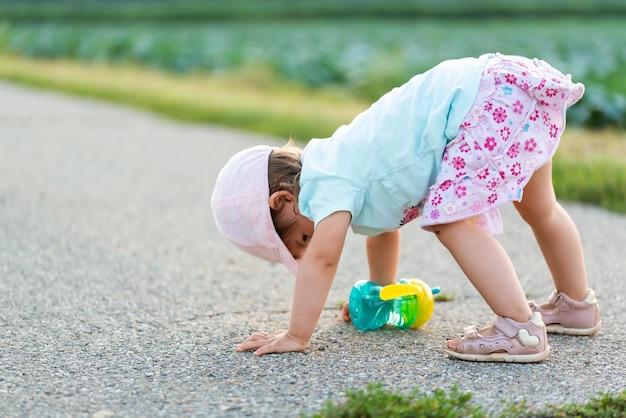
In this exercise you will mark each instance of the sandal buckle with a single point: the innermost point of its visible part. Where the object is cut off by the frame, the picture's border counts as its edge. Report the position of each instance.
(471, 332)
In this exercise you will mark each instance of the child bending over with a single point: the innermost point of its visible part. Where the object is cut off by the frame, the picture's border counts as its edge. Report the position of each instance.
(451, 145)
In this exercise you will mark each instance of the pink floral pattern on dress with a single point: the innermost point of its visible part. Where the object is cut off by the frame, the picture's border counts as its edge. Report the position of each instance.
(512, 129)
(554, 130)
(458, 163)
(499, 115)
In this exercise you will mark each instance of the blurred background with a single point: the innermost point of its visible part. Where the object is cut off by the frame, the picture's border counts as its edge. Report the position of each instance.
(300, 68)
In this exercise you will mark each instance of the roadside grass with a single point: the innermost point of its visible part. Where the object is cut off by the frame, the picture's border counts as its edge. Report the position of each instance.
(590, 167)
(250, 99)
(376, 401)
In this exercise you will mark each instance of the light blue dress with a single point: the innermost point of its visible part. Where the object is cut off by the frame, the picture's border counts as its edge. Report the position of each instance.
(381, 166)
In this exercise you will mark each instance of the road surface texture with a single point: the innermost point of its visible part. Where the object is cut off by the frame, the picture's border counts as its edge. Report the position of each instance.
(118, 297)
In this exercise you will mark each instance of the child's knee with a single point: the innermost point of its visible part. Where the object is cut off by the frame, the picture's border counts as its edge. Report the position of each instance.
(534, 211)
(440, 229)
(450, 230)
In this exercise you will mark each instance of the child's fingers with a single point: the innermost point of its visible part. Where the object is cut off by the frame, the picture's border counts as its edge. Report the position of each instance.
(254, 341)
(257, 336)
(250, 345)
(262, 343)
(266, 349)
(259, 339)
(345, 312)
(278, 345)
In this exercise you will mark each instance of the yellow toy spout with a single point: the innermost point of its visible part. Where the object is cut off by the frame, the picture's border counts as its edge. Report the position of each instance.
(425, 299)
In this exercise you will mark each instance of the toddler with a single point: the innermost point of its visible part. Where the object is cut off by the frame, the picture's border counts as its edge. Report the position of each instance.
(451, 145)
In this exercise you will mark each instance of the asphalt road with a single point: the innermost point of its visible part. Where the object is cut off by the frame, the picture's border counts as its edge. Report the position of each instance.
(119, 298)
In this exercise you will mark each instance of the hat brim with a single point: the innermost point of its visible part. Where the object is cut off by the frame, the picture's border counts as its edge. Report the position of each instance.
(241, 210)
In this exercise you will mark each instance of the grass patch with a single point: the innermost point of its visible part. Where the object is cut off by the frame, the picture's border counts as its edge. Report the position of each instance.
(444, 297)
(375, 401)
(590, 166)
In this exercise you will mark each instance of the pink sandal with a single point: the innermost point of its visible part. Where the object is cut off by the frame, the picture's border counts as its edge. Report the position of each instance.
(517, 342)
(564, 315)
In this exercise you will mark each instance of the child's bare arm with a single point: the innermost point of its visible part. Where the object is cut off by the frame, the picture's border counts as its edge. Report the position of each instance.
(316, 274)
(315, 277)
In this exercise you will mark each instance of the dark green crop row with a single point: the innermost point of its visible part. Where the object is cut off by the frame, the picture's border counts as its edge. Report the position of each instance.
(294, 9)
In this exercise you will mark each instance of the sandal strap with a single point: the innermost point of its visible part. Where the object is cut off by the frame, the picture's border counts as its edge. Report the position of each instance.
(507, 326)
(471, 332)
(511, 336)
(558, 302)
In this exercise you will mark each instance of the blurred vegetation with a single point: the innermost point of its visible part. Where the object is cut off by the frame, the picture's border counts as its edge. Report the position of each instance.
(124, 10)
(377, 401)
(301, 68)
(363, 58)
(601, 181)
(589, 167)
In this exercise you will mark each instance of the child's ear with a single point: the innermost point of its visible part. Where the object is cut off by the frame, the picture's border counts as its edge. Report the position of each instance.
(279, 199)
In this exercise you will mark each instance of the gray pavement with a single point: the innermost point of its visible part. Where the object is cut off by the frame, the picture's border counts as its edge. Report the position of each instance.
(119, 298)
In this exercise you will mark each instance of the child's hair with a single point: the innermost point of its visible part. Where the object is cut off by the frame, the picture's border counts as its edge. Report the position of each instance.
(283, 173)
(284, 167)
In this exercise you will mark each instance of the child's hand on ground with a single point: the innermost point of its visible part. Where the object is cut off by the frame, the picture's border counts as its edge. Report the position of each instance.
(345, 312)
(280, 342)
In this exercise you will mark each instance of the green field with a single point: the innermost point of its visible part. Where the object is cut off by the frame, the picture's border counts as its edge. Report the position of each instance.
(363, 58)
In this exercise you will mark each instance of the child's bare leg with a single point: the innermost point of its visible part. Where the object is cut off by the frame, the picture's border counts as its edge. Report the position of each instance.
(383, 252)
(556, 234)
(487, 266)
